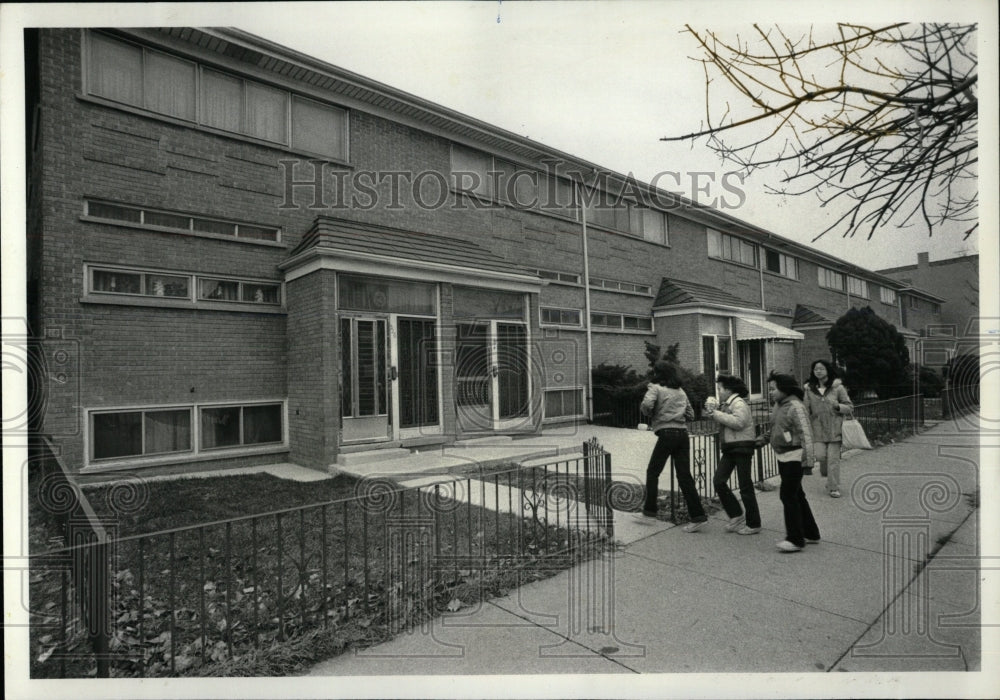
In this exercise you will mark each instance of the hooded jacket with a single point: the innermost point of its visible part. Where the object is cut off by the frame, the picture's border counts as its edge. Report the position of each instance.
(825, 422)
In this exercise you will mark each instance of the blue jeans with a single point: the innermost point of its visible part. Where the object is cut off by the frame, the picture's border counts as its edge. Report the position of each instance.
(673, 443)
(741, 463)
(799, 521)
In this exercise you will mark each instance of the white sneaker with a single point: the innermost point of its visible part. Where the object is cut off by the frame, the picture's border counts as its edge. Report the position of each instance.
(747, 530)
(736, 523)
(809, 541)
(786, 546)
(693, 527)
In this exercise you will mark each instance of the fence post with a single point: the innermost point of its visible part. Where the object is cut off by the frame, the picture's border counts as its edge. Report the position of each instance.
(608, 513)
(98, 589)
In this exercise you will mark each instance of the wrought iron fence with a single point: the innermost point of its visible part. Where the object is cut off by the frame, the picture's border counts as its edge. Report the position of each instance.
(170, 602)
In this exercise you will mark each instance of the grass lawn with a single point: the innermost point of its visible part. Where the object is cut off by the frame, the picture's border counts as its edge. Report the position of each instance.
(229, 575)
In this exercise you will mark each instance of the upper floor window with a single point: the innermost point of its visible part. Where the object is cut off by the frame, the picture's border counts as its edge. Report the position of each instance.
(175, 221)
(164, 84)
(831, 279)
(857, 287)
(888, 296)
(555, 276)
(652, 224)
(781, 264)
(618, 286)
(727, 247)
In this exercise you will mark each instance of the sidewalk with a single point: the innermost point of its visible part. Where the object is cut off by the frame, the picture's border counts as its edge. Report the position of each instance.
(668, 601)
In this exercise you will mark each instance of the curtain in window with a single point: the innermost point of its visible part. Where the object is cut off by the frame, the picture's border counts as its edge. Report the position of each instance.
(219, 290)
(221, 101)
(220, 427)
(261, 424)
(267, 113)
(168, 431)
(170, 86)
(115, 70)
(117, 435)
(318, 128)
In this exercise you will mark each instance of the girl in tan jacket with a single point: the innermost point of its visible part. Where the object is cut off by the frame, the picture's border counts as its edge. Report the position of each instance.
(826, 402)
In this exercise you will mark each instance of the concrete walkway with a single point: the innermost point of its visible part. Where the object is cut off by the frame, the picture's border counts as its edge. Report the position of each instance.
(709, 602)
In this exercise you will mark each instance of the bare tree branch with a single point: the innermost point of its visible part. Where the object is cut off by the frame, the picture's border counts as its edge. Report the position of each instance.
(882, 118)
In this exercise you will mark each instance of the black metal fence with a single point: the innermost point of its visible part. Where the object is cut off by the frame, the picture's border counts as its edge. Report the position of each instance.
(172, 602)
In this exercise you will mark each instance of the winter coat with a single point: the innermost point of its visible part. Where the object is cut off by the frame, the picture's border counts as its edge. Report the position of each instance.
(666, 408)
(738, 431)
(789, 419)
(824, 421)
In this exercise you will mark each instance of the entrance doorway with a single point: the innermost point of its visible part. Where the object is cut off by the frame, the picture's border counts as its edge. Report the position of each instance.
(389, 378)
(492, 391)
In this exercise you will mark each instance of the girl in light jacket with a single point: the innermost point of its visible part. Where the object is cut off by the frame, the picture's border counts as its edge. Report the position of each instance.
(827, 402)
(669, 409)
(737, 443)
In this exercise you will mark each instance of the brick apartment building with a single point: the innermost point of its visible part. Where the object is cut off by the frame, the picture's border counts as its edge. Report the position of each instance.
(941, 303)
(250, 256)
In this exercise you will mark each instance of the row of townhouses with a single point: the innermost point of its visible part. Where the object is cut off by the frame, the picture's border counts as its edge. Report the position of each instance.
(239, 254)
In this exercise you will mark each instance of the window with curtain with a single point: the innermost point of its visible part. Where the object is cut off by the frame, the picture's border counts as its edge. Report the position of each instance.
(169, 85)
(164, 84)
(115, 70)
(318, 128)
(140, 433)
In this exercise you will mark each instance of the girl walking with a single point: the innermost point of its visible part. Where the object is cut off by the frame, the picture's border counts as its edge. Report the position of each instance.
(668, 409)
(737, 437)
(826, 402)
(791, 439)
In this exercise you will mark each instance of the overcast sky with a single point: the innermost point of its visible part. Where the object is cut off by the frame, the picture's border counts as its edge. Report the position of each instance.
(600, 80)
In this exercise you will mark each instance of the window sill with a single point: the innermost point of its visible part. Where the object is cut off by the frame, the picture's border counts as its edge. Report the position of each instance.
(179, 458)
(164, 303)
(545, 326)
(621, 331)
(740, 264)
(771, 273)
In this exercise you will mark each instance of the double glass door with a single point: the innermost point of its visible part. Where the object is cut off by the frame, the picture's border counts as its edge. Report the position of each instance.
(389, 378)
(492, 385)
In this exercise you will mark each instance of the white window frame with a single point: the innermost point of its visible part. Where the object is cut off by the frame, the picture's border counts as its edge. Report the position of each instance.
(788, 266)
(620, 328)
(193, 286)
(888, 296)
(825, 278)
(621, 286)
(717, 244)
(578, 389)
(857, 287)
(195, 452)
(550, 324)
(559, 277)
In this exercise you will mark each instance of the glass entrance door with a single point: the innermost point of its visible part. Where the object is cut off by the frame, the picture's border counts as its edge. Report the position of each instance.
(415, 390)
(491, 374)
(365, 396)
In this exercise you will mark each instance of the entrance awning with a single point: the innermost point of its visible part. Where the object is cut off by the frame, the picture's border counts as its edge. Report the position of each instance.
(759, 329)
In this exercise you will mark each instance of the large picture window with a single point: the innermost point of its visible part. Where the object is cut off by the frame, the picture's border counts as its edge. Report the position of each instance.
(160, 83)
(140, 433)
(163, 431)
